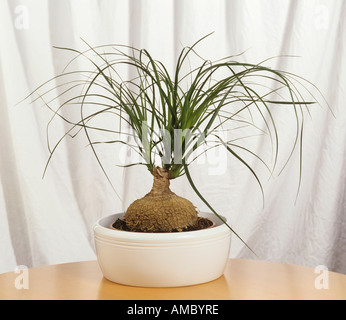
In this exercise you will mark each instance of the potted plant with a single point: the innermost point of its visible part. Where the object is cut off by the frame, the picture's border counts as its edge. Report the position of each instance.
(162, 240)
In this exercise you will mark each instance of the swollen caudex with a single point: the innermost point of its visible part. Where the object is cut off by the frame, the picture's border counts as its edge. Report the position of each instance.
(160, 210)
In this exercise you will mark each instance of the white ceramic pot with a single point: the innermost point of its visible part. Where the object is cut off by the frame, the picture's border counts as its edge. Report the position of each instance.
(162, 259)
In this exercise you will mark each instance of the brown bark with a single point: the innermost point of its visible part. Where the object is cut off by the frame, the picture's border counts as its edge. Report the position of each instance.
(161, 183)
(161, 210)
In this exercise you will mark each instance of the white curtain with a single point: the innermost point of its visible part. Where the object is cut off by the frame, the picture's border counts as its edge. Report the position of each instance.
(50, 220)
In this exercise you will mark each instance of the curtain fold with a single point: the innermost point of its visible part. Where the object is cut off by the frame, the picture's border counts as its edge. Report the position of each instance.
(50, 220)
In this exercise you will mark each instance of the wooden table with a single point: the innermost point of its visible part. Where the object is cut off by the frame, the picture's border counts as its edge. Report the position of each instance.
(243, 279)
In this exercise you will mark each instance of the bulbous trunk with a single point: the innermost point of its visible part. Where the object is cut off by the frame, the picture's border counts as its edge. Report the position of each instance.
(160, 210)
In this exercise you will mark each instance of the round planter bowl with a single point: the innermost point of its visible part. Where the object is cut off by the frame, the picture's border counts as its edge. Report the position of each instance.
(162, 259)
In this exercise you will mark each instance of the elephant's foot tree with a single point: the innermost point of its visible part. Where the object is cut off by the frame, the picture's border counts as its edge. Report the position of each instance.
(172, 116)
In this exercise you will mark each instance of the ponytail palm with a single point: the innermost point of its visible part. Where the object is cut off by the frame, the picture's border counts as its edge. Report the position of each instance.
(172, 116)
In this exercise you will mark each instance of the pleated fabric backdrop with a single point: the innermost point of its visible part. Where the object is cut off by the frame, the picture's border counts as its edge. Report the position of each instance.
(50, 220)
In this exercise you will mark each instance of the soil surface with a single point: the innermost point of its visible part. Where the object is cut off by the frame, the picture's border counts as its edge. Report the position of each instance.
(202, 223)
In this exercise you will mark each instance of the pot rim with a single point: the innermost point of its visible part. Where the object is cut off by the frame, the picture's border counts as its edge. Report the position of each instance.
(102, 230)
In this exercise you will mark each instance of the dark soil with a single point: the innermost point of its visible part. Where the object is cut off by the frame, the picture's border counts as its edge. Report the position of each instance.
(202, 223)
